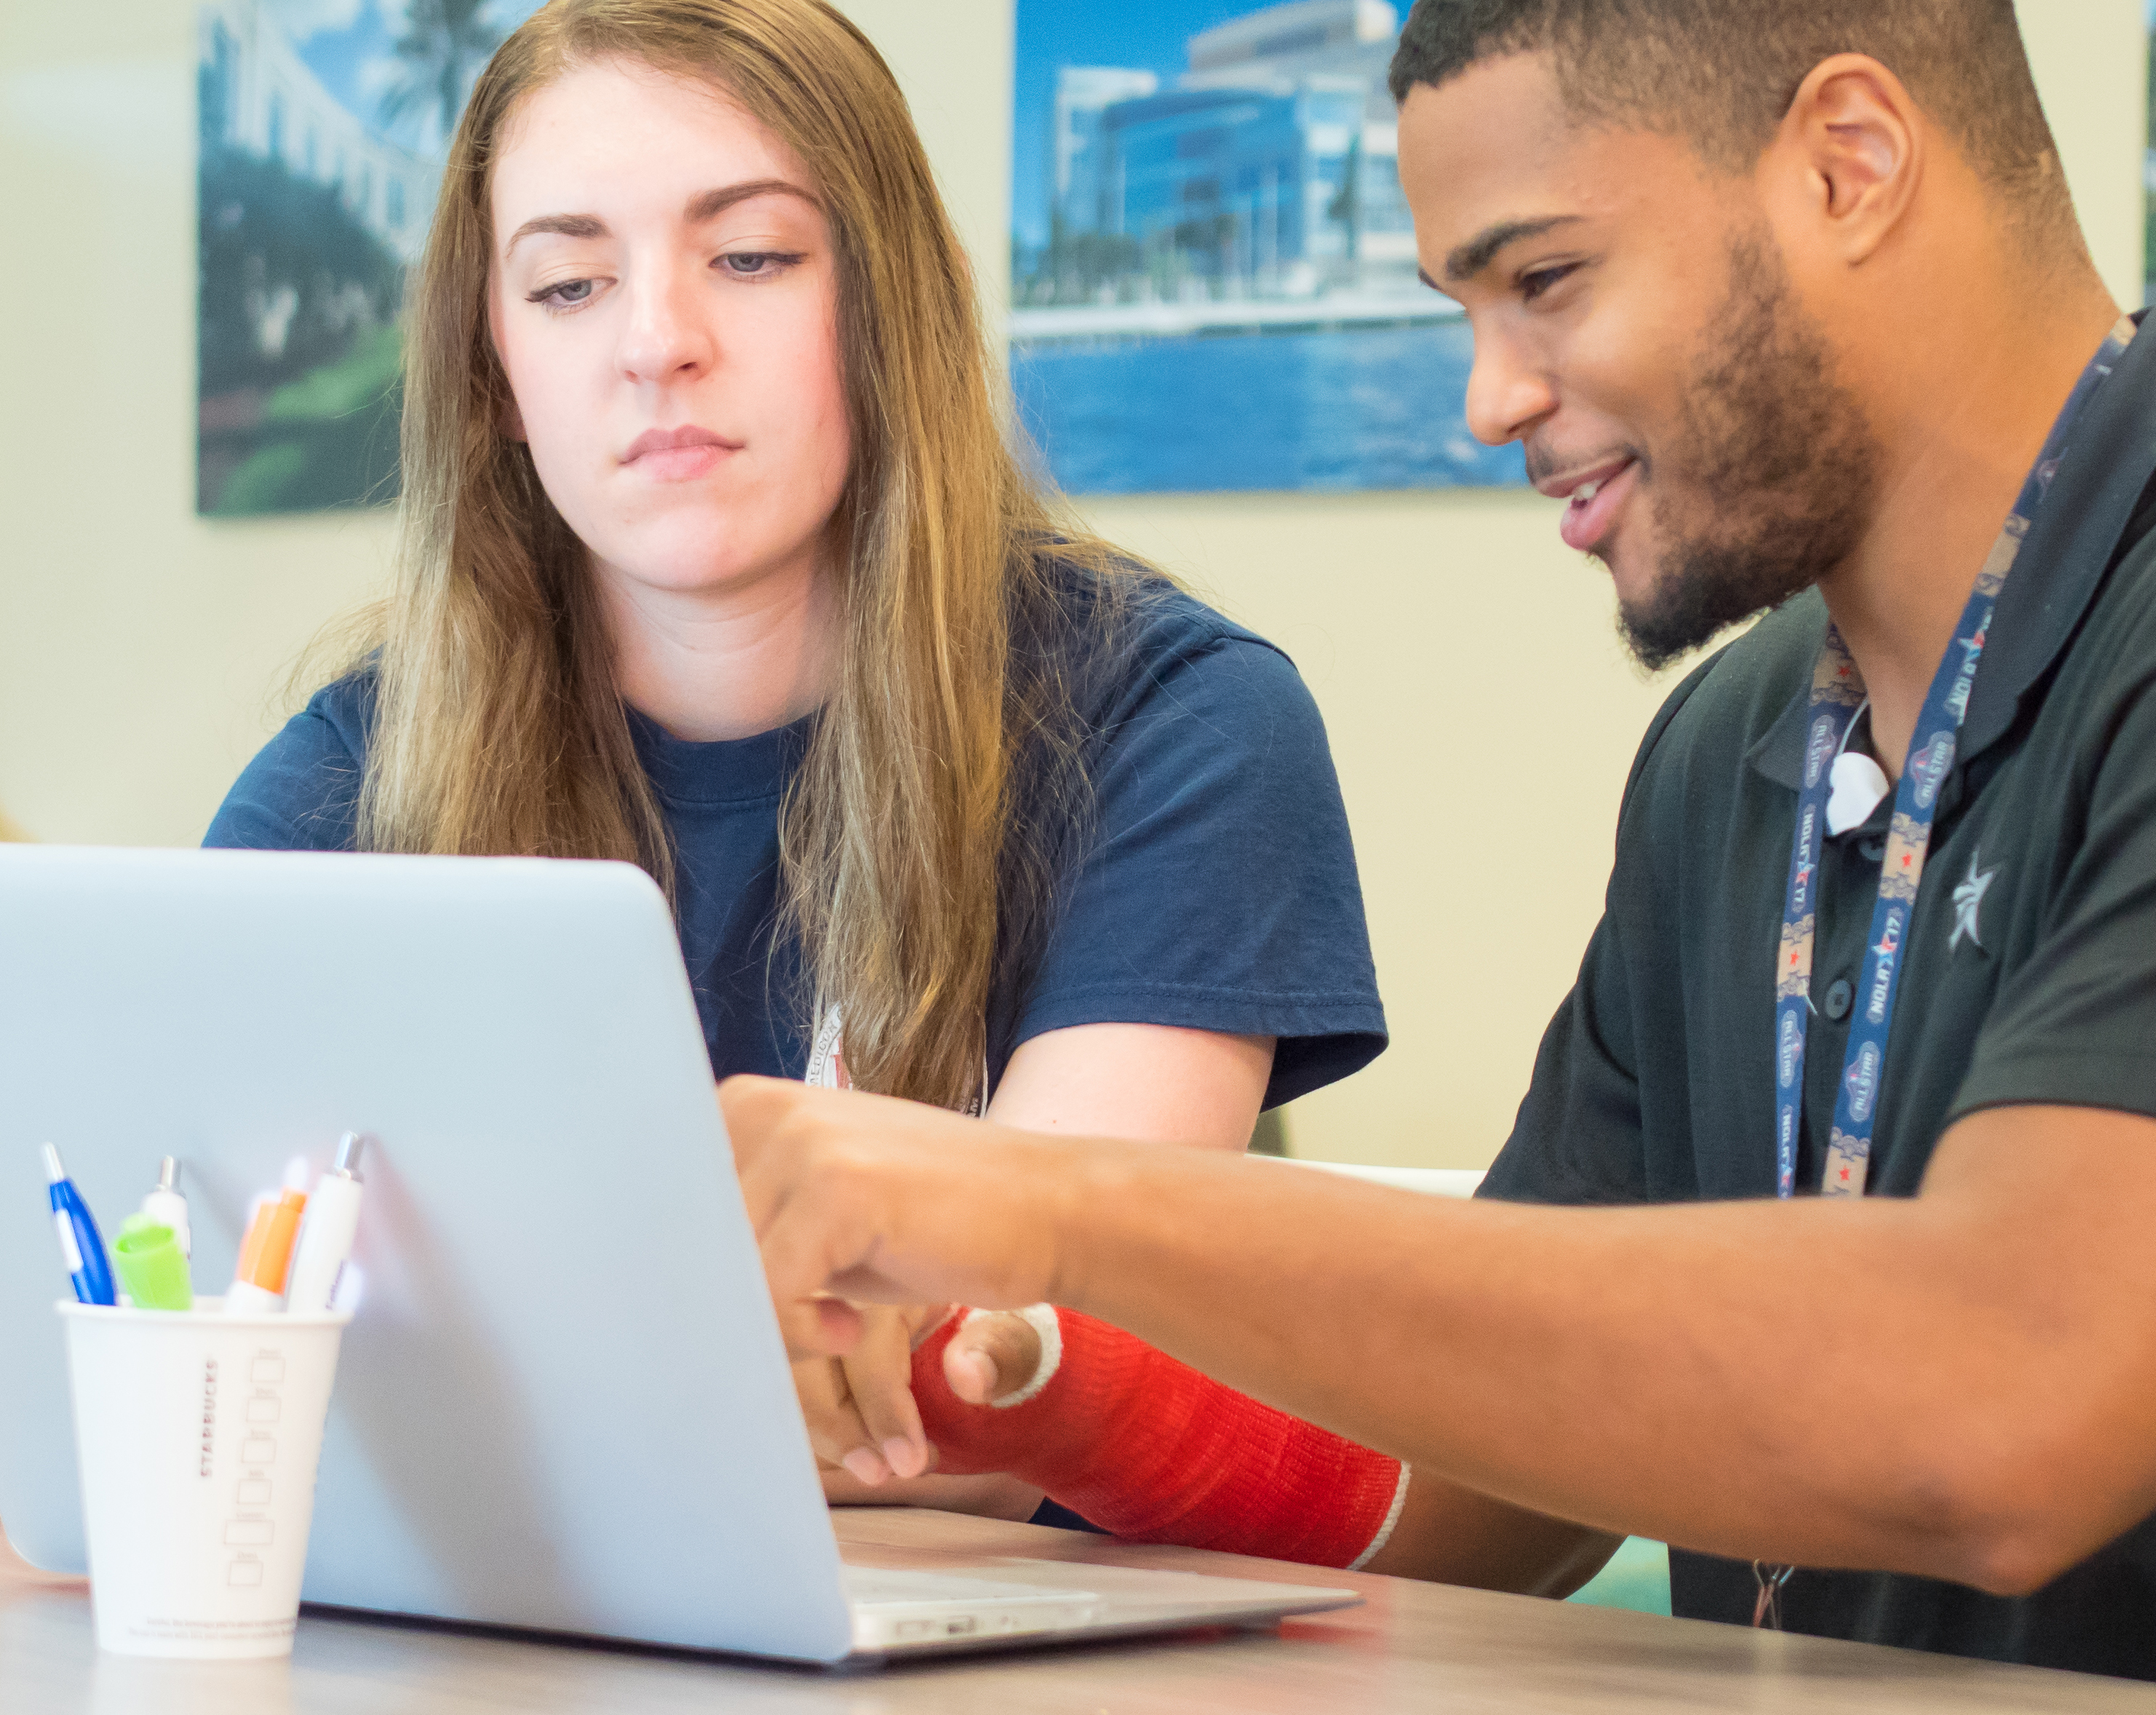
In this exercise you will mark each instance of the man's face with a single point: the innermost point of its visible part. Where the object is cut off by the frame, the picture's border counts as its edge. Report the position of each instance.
(1635, 331)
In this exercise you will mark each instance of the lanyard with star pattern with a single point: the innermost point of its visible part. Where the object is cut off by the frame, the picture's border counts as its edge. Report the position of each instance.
(1837, 699)
(1837, 693)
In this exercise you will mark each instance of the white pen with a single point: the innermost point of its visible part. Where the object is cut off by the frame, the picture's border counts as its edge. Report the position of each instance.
(165, 1206)
(326, 1236)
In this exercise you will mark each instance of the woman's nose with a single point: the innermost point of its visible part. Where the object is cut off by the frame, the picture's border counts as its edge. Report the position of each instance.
(667, 334)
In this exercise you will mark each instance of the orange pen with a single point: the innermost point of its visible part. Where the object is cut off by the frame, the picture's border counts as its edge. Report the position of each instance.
(257, 1284)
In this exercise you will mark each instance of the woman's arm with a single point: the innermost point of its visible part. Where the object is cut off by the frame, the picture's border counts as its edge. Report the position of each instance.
(1217, 898)
(1149, 1449)
(1149, 1082)
(301, 791)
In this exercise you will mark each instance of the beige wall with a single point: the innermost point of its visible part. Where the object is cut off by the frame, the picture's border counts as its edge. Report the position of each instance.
(1480, 709)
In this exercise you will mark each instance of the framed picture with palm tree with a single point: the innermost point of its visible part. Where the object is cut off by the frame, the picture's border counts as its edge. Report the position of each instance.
(322, 125)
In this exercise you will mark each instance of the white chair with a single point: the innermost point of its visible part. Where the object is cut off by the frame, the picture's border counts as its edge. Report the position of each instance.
(1434, 1181)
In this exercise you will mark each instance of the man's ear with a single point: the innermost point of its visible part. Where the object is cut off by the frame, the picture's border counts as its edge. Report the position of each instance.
(1856, 136)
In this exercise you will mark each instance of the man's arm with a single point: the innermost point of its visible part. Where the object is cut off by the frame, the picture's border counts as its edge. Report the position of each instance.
(1139, 1081)
(1962, 1385)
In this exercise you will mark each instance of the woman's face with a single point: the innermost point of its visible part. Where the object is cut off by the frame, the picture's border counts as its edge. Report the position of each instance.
(665, 299)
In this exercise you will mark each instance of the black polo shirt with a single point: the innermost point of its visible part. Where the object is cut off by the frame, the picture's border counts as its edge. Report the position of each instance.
(2029, 973)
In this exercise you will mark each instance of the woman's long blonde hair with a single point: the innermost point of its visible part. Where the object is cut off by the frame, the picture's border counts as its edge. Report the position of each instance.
(923, 836)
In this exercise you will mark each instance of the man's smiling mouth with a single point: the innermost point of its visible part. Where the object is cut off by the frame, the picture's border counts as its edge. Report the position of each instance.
(1594, 497)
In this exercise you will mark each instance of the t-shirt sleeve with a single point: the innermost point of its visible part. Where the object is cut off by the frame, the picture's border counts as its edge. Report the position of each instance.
(2075, 1026)
(1221, 891)
(300, 793)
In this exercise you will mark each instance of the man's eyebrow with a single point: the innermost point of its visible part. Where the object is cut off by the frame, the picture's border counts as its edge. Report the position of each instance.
(705, 205)
(1479, 252)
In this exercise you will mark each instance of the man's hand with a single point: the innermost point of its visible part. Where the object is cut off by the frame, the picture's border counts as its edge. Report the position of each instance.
(889, 1202)
(859, 1408)
(994, 1353)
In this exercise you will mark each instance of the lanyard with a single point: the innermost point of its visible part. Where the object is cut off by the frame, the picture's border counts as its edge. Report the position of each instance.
(826, 1064)
(1837, 695)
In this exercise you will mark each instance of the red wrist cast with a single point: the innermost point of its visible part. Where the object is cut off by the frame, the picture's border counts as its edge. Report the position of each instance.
(1132, 1440)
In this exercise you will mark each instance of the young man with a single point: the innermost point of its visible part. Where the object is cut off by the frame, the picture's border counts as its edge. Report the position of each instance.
(1789, 304)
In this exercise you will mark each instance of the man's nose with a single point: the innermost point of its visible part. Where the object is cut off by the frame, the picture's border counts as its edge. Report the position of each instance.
(1507, 392)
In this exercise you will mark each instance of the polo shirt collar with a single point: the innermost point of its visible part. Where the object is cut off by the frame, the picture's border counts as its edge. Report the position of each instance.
(2108, 463)
(1779, 752)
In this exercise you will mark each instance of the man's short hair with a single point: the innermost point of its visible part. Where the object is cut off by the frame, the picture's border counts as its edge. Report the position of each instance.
(1721, 74)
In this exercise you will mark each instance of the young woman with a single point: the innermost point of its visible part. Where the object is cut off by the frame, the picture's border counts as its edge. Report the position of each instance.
(715, 560)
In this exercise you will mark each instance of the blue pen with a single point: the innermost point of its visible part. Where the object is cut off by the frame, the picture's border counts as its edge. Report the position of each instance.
(80, 1247)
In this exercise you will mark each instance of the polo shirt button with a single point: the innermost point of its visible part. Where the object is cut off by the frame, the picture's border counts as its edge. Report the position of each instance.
(1839, 994)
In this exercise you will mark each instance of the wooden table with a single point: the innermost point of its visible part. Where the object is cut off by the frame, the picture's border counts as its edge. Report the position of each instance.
(1415, 1647)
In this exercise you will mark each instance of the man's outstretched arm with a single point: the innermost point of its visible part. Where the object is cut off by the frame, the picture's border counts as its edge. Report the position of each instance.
(1961, 1385)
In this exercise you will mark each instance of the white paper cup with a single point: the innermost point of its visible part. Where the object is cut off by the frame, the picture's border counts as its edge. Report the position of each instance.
(197, 1435)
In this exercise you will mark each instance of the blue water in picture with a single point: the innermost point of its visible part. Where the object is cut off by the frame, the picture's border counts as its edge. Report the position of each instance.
(1362, 408)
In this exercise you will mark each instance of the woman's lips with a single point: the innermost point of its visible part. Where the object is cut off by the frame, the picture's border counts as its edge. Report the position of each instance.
(677, 455)
(1593, 509)
(681, 463)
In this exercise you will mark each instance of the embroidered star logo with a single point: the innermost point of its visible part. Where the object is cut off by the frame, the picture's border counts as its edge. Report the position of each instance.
(1969, 901)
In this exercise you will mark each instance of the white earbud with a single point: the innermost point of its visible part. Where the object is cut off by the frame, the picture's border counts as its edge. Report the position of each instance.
(1856, 784)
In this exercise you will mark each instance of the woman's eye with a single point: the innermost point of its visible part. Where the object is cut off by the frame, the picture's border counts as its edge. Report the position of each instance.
(753, 265)
(564, 294)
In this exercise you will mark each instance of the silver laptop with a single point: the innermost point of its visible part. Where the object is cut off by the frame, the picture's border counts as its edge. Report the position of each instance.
(563, 1404)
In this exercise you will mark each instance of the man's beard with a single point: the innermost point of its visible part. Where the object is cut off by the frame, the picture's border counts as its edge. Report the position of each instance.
(1777, 449)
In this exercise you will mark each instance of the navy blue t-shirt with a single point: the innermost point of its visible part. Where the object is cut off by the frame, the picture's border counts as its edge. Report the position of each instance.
(1217, 891)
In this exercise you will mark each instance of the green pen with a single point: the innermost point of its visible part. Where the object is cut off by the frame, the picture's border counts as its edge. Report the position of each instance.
(152, 1269)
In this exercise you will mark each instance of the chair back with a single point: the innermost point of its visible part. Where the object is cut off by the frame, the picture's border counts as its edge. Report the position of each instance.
(1432, 1181)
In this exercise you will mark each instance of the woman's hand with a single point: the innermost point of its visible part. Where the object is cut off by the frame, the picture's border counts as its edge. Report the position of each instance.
(997, 1353)
(998, 1497)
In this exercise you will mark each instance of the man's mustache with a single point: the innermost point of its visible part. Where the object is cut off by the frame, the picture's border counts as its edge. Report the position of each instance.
(1545, 461)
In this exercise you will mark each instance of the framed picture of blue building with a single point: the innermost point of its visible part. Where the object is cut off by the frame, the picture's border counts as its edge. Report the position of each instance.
(322, 126)
(1213, 270)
